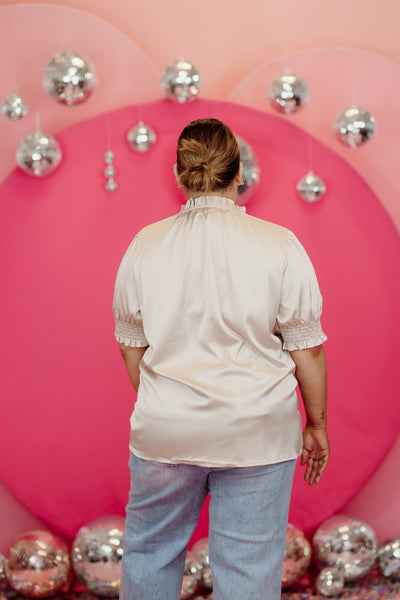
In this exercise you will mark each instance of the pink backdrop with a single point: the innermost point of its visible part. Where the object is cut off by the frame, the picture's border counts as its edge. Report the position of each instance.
(251, 38)
(66, 395)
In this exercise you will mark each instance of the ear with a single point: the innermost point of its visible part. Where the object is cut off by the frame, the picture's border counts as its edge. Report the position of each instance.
(177, 177)
(239, 176)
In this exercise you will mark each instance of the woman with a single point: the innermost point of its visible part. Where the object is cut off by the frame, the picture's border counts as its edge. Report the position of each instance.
(218, 317)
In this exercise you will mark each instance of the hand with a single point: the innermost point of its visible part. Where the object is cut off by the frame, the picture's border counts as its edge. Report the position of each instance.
(315, 453)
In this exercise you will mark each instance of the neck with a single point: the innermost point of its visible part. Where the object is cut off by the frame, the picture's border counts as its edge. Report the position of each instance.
(231, 193)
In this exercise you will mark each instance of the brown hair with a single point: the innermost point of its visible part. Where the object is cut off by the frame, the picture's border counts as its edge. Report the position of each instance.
(208, 156)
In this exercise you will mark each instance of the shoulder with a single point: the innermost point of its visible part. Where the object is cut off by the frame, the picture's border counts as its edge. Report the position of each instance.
(268, 231)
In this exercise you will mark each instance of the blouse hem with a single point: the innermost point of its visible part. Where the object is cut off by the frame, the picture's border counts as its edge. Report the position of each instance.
(213, 464)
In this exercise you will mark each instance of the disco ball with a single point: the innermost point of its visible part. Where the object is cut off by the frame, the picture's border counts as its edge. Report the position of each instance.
(97, 555)
(251, 172)
(14, 107)
(191, 577)
(287, 92)
(330, 582)
(69, 78)
(296, 557)
(346, 543)
(37, 564)
(311, 187)
(141, 137)
(389, 558)
(38, 154)
(200, 552)
(354, 126)
(181, 81)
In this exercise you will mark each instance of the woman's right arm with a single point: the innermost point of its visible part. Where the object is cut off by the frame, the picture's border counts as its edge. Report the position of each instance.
(311, 373)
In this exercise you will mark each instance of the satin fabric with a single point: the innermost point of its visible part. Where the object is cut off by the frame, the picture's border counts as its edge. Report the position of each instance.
(220, 298)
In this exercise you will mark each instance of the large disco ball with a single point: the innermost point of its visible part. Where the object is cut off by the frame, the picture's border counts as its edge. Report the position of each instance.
(191, 577)
(181, 81)
(311, 187)
(251, 172)
(287, 92)
(354, 126)
(389, 558)
(97, 555)
(38, 154)
(69, 78)
(201, 553)
(37, 564)
(141, 137)
(14, 107)
(346, 543)
(330, 582)
(296, 557)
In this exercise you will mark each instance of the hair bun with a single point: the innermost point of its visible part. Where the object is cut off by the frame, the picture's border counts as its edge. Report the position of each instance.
(208, 156)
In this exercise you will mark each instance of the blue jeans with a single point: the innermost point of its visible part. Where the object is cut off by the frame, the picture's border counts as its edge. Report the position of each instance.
(247, 528)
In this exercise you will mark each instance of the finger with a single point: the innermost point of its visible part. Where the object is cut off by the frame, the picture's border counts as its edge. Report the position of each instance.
(309, 467)
(313, 472)
(323, 463)
(304, 456)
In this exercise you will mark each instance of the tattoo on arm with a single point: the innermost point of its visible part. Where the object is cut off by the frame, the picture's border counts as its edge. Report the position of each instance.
(322, 415)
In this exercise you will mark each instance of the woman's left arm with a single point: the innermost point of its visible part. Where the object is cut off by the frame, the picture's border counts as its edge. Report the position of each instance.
(132, 356)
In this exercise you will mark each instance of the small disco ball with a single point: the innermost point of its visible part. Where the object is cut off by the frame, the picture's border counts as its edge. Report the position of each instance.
(346, 543)
(38, 154)
(141, 137)
(14, 107)
(389, 558)
(200, 552)
(191, 577)
(97, 555)
(296, 557)
(311, 187)
(69, 78)
(330, 582)
(251, 172)
(354, 126)
(181, 81)
(3, 578)
(287, 92)
(37, 564)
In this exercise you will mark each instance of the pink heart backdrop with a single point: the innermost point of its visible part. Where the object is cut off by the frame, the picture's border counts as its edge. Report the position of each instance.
(65, 392)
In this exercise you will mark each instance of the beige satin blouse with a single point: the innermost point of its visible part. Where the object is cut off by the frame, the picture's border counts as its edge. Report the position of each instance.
(220, 297)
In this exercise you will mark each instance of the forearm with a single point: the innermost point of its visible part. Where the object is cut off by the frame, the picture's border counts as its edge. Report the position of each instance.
(132, 357)
(311, 373)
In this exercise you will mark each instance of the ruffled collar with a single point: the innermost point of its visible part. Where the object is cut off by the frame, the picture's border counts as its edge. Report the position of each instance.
(214, 201)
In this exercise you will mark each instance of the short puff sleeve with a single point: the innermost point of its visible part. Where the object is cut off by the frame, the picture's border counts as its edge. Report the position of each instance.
(126, 308)
(300, 308)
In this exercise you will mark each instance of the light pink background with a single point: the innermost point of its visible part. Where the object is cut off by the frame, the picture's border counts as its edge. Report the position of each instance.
(251, 38)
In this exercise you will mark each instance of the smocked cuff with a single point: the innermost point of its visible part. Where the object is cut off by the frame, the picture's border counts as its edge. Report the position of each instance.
(303, 336)
(130, 334)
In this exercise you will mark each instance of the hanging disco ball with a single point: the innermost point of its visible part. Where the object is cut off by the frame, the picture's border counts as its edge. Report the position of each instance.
(14, 107)
(311, 187)
(69, 78)
(37, 564)
(191, 577)
(330, 582)
(38, 154)
(251, 172)
(354, 126)
(389, 558)
(181, 81)
(287, 92)
(200, 552)
(141, 137)
(346, 543)
(296, 557)
(97, 555)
